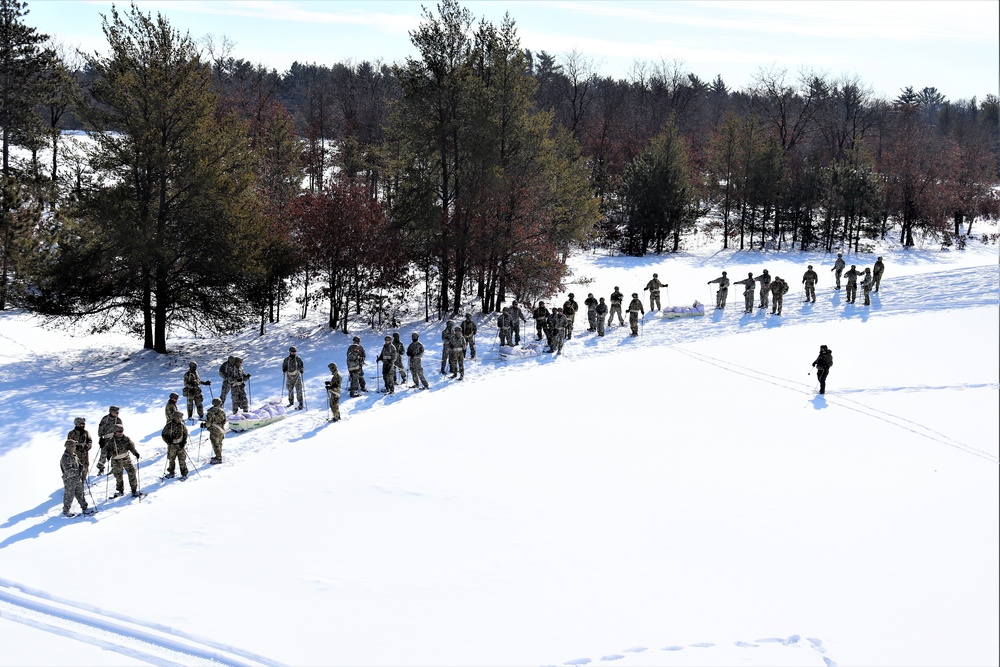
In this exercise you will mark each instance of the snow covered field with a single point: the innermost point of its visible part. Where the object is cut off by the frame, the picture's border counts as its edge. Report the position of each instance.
(682, 498)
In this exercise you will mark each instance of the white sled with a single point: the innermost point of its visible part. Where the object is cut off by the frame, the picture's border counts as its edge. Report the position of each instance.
(268, 413)
(521, 351)
(695, 309)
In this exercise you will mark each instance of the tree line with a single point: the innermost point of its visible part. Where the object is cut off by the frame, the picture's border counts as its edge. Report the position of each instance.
(214, 191)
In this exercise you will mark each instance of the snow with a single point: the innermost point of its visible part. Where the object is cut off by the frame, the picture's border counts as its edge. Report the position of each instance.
(680, 498)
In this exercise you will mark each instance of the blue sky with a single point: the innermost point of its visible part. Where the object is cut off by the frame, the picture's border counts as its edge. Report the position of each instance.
(953, 46)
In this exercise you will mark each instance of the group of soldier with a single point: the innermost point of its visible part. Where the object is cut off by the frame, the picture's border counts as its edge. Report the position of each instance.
(871, 280)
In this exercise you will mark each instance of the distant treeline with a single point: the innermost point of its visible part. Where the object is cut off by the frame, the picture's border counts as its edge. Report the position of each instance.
(213, 186)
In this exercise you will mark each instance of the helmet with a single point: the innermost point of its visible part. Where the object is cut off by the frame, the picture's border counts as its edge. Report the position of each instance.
(541, 303)
(852, 266)
(616, 287)
(506, 309)
(395, 335)
(450, 323)
(113, 408)
(70, 443)
(192, 364)
(414, 335)
(723, 273)
(635, 295)
(571, 295)
(868, 269)
(174, 395)
(356, 339)
(656, 275)
(750, 275)
(810, 266)
(216, 402)
(332, 366)
(119, 428)
(231, 358)
(388, 337)
(590, 294)
(237, 360)
(823, 347)
(79, 421)
(765, 270)
(292, 350)
(840, 254)
(468, 316)
(514, 302)
(880, 259)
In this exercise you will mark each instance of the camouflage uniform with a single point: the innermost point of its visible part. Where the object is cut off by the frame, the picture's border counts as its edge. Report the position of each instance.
(237, 380)
(601, 312)
(866, 286)
(192, 391)
(333, 390)
(541, 315)
(117, 450)
(457, 347)
(723, 292)
(293, 367)
(569, 312)
(634, 308)
(215, 420)
(778, 289)
(72, 476)
(171, 407)
(517, 317)
(591, 303)
(550, 327)
(852, 283)
(224, 374)
(400, 351)
(356, 367)
(83, 443)
(175, 434)
(559, 324)
(838, 268)
(446, 336)
(415, 351)
(105, 431)
(469, 332)
(388, 358)
(654, 286)
(822, 365)
(616, 307)
(877, 272)
(748, 287)
(810, 278)
(504, 325)
(765, 287)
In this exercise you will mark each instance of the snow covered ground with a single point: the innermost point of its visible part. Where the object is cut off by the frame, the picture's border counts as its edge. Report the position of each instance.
(682, 498)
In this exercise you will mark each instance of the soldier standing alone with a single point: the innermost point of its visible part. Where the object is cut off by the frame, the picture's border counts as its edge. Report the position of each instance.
(838, 268)
(809, 279)
(877, 273)
(822, 365)
(654, 286)
(192, 390)
(457, 353)
(634, 308)
(778, 290)
(293, 368)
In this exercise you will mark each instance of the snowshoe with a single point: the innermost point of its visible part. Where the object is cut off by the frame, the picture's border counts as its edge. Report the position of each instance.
(138, 494)
(90, 511)
(118, 494)
(68, 515)
(169, 475)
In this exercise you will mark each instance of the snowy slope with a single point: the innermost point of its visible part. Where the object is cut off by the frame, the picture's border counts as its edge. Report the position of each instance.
(684, 498)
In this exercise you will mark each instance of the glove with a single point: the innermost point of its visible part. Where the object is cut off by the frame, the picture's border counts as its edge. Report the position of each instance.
(248, 376)
(207, 382)
(100, 470)
(202, 424)
(137, 457)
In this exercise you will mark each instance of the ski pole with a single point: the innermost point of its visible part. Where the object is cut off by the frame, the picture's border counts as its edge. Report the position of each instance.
(210, 392)
(250, 391)
(188, 458)
(201, 435)
(284, 380)
(667, 290)
(90, 492)
(138, 480)
(305, 403)
(107, 483)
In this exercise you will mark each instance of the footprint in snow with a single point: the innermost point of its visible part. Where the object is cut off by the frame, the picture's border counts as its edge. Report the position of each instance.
(702, 645)
(672, 648)
(635, 649)
(613, 656)
(577, 661)
(746, 644)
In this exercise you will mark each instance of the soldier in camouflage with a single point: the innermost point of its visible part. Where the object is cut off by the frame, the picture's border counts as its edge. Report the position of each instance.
(838, 268)
(852, 283)
(333, 391)
(356, 367)
(778, 289)
(877, 272)
(81, 437)
(175, 434)
(866, 286)
(809, 279)
(72, 476)
(517, 317)
(192, 390)
(505, 323)
(616, 307)
(388, 358)
(822, 365)
(591, 303)
(559, 324)
(765, 287)
(415, 352)
(602, 312)
(237, 383)
(293, 367)
(541, 315)
(469, 333)
(400, 352)
(569, 310)
(634, 309)
(105, 431)
(457, 353)
(654, 286)
(748, 287)
(117, 451)
(215, 420)
(446, 336)
(171, 407)
(224, 374)
(722, 292)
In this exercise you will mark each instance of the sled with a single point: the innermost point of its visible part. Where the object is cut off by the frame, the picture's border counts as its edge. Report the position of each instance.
(694, 310)
(268, 413)
(521, 351)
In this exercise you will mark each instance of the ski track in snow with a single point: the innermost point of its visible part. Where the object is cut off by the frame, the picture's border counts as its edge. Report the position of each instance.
(792, 642)
(150, 643)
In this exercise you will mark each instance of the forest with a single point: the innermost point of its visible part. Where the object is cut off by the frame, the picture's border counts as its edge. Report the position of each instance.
(164, 183)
